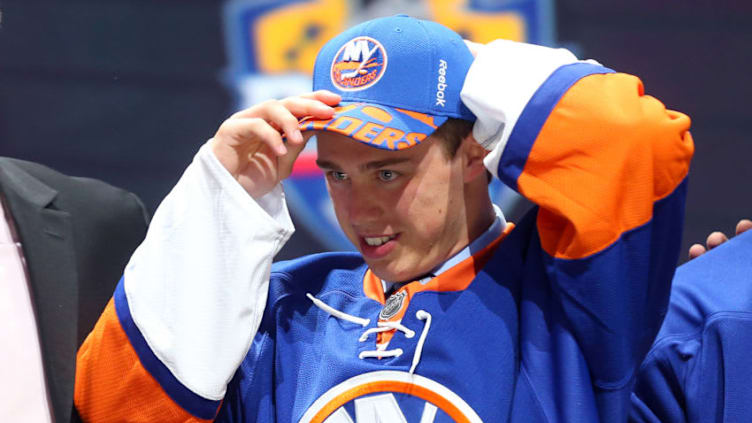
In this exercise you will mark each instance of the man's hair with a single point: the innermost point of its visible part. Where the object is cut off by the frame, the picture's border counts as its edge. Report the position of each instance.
(451, 133)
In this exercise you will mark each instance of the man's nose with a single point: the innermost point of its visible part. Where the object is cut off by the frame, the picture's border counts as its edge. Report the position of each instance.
(364, 205)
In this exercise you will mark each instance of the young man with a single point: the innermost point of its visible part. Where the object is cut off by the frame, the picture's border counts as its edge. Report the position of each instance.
(447, 313)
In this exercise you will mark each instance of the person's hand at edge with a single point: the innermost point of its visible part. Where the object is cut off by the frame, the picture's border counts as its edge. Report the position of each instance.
(717, 238)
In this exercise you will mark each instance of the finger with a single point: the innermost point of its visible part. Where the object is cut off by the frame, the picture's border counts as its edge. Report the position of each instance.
(260, 175)
(280, 116)
(284, 114)
(286, 162)
(715, 239)
(743, 226)
(696, 250)
(299, 106)
(326, 97)
(245, 135)
(302, 107)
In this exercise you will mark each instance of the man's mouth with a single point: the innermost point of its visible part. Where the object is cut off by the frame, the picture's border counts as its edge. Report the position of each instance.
(375, 247)
(376, 241)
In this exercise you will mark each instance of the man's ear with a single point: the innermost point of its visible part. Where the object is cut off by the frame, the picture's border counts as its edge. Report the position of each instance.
(473, 155)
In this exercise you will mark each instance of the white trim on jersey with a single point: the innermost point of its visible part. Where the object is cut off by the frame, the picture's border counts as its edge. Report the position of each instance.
(197, 285)
(497, 89)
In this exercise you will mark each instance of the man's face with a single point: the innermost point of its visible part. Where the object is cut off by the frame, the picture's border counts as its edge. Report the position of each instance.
(403, 210)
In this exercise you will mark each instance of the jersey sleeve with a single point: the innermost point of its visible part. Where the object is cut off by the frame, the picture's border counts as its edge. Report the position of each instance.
(188, 305)
(606, 165)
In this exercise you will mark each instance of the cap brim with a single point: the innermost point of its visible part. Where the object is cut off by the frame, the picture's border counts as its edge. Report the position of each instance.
(384, 127)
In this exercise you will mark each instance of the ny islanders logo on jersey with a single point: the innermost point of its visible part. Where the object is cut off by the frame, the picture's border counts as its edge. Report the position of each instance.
(389, 396)
(358, 64)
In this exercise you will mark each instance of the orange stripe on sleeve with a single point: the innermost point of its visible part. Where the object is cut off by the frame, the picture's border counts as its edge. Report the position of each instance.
(605, 154)
(113, 386)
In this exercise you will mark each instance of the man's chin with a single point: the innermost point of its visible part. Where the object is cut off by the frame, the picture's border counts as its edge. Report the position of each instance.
(383, 272)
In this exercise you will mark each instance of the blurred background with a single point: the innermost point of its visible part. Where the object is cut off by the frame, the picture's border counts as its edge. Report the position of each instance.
(127, 90)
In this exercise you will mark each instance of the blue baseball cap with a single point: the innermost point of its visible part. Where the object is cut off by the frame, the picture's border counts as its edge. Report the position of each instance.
(399, 77)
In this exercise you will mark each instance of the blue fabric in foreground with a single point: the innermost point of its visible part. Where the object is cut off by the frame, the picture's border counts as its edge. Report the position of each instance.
(698, 369)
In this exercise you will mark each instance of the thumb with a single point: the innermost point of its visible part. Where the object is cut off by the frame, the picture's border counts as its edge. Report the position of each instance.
(286, 162)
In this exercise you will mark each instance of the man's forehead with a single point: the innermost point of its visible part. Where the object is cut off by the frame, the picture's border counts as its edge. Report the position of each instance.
(337, 158)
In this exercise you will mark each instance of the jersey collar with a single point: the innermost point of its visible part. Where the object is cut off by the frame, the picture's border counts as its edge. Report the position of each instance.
(464, 264)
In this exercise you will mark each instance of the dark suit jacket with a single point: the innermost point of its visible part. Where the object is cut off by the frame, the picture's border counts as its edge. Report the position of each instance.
(77, 236)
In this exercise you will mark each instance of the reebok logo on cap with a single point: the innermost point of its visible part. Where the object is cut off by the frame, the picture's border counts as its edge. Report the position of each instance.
(441, 86)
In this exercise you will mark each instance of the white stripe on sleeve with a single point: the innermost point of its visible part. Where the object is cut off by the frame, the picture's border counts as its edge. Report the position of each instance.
(197, 286)
(502, 79)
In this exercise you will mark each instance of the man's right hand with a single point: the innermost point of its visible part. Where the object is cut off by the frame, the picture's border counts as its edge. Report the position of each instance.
(717, 238)
(250, 145)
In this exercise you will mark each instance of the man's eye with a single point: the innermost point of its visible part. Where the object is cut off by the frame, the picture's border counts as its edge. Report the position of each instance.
(338, 176)
(387, 175)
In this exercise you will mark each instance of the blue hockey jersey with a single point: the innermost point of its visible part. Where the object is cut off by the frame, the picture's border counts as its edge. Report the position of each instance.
(548, 323)
(699, 368)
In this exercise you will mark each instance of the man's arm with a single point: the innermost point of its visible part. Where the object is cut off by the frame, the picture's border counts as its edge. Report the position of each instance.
(191, 299)
(606, 165)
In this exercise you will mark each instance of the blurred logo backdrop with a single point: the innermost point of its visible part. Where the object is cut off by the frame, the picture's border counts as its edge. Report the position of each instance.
(271, 47)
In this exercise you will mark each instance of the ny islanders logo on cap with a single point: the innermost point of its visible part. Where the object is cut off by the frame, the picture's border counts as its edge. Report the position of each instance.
(358, 64)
